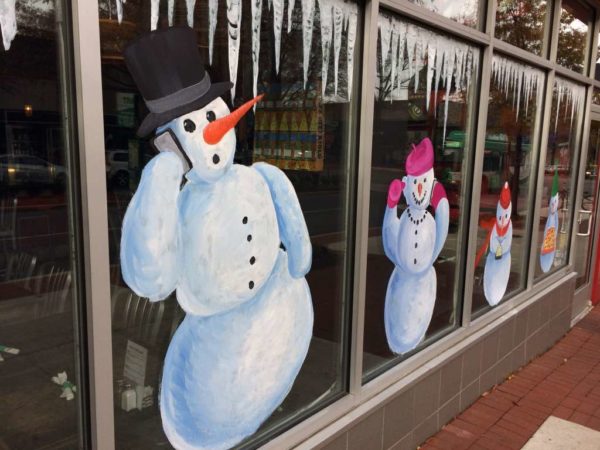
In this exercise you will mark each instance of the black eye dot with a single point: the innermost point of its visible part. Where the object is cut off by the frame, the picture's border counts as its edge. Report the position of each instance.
(210, 116)
(424, 180)
(189, 126)
(415, 182)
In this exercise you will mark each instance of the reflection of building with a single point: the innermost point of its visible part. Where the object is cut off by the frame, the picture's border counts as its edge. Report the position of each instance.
(70, 162)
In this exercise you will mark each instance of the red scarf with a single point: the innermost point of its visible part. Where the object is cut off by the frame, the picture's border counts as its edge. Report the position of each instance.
(502, 231)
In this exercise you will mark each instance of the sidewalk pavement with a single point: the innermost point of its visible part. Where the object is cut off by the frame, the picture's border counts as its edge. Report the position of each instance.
(563, 382)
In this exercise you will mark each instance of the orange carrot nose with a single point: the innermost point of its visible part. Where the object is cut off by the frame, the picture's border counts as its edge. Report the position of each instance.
(214, 131)
(420, 188)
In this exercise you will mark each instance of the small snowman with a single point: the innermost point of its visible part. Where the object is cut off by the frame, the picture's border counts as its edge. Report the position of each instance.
(413, 242)
(551, 228)
(498, 243)
(217, 241)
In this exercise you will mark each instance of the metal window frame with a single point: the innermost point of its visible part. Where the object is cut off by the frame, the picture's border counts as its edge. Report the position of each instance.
(322, 426)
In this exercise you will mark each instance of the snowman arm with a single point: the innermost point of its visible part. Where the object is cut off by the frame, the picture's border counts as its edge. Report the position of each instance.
(290, 219)
(442, 218)
(389, 233)
(149, 247)
(506, 243)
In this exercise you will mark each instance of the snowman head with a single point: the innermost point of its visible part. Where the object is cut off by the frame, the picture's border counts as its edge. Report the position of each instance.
(207, 136)
(504, 208)
(419, 175)
(554, 203)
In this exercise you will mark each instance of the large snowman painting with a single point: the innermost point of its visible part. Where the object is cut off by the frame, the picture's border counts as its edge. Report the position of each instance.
(497, 245)
(230, 240)
(550, 229)
(413, 242)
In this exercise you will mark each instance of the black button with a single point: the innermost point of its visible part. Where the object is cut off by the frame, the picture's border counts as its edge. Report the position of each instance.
(252, 260)
(415, 260)
(415, 245)
(415, 232)
(245, 220)
(249, 237)
(216, 159)
(251, 284)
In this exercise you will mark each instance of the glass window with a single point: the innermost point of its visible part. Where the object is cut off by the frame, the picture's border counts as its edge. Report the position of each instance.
(597, 62)
(42, 393)
(596, 96)
(574, 35)
(522, 23)
(306, 126)
(559, 176)
(508, 182)
(468, 13)
(422, 141)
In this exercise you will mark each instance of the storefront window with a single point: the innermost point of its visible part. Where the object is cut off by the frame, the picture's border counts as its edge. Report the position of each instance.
(522, 23)
(422, 138)
(467, 13)
(508, 182)
(41, 389)
(574, 35)
(303, 61)
(559, 176)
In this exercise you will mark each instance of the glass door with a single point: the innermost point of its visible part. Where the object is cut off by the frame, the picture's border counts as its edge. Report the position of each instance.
(587, 208)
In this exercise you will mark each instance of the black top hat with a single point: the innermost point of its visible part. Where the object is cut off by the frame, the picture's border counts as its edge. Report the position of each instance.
(168, 70)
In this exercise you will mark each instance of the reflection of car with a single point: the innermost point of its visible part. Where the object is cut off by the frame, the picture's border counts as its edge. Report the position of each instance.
(117, 167)
(26, 170)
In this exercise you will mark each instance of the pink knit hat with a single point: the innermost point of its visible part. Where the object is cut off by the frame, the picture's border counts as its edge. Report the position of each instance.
(420, 159)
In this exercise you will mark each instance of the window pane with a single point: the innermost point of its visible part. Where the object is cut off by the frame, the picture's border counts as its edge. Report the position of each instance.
(468, 13)
(426, 84)
(309, 133)
(522, 23)
(507, 183)
(574, 35)
(559, 176)
(40, 388)
(596, 96)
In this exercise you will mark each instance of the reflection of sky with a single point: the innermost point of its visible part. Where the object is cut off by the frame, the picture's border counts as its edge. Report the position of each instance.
(578, 25)
(452, 8)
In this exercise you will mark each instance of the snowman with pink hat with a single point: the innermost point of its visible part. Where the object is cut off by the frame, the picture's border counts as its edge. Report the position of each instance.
(413, 242)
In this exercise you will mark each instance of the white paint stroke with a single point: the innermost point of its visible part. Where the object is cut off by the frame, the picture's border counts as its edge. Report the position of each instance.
(325, 8)
(189, 4)
(234, 22)
(256, 20)
(573, 96)
(278, 6)
(170, 7)
(291, 4)
(8, 22)
(154, 7)
(213, 7)
(308, 17)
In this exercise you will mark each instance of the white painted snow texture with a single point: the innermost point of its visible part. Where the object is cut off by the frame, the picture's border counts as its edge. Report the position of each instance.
(573, 97)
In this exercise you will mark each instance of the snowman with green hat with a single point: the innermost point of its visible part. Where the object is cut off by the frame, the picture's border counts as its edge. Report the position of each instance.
(551, 229)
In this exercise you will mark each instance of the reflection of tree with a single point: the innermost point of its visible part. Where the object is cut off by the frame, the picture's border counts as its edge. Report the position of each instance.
(572, 42)
(521, 23)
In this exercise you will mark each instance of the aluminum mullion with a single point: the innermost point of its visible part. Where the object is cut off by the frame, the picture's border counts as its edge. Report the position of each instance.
(557, 4)
(90, 119)
(369, 74)
(523, 55)
(533, 245)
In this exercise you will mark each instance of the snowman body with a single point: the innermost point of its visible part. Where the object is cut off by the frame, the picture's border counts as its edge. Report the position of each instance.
(249, 315)
(413, 242)
(497, 266)
(549, 241)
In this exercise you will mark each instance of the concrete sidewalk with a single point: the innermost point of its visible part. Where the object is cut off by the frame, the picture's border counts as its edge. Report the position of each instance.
(563, 382)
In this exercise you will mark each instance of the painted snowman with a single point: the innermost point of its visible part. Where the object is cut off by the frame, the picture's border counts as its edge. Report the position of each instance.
(548, 250)
(413, 243)
(217, 242)
(498, 260)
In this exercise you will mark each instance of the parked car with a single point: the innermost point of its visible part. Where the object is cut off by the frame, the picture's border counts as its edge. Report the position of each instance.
(117, 168)
(27, 170)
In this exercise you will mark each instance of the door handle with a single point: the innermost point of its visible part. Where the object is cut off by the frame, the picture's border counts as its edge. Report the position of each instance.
(582, 213)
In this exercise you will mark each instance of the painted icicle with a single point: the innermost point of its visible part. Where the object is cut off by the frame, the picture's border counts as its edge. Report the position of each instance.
(277, 26)
(338, 25)
(119, 10)
(213, 7)
(291, 4)
(518, 80)
(234, 21)
(308, 17)
(189, 4)
(170, 8)
(325, 7)
(446, 61)
(256, 19)
(351, 39)
(154, 7)
(573, 96)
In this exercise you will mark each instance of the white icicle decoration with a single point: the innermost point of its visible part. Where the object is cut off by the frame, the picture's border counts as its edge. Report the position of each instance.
(325, 7)
(351, 36)
(291, 4)
(338, 25)
(516, 79)
(573, 96)
(189, 4)
(234, 21)
(170, 7)
(278, 6)
(154, 14)
(256, 20)
(119, 4)
(213, 7)
(308, 17)
(8, 22)
(447, 63)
